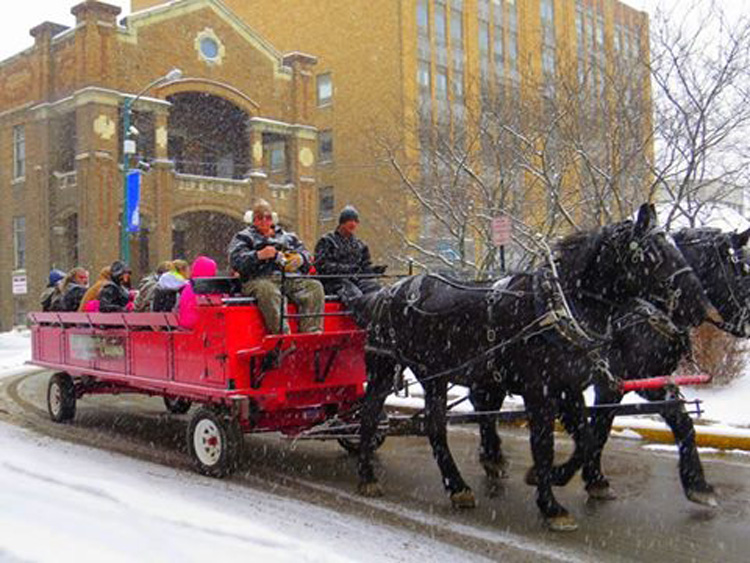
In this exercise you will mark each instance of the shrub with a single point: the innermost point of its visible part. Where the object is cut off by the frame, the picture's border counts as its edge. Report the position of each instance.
(718, 354)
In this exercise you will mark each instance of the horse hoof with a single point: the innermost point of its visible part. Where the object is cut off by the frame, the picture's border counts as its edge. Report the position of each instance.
(562, 523)
(464, 499)
(601, 491)
(370, 490)
(706, 498)
(530, 477)
(496, 469)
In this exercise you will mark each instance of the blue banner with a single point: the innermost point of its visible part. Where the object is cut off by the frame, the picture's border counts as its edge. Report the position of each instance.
(134, 201)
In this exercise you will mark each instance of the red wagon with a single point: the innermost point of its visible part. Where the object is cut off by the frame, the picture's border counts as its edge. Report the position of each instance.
(245, 379)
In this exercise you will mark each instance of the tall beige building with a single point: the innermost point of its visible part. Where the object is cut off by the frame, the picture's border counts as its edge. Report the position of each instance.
(383, 65)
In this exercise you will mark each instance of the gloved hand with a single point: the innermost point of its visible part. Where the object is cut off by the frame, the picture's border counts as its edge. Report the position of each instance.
(380, 269)
(292, 262)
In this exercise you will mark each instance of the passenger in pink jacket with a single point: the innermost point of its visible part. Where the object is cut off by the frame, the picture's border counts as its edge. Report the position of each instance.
(203, 267)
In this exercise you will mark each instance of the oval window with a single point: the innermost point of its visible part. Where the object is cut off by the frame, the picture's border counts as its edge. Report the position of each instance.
(209, 48)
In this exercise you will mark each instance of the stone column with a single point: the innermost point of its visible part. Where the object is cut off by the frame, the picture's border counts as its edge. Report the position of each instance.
(257, 173)
(99, 183)
(303, 152)
(161, 242)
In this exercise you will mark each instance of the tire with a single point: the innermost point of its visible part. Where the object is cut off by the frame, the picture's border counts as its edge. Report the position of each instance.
(61, 398)
(176, 405)
(214, 440)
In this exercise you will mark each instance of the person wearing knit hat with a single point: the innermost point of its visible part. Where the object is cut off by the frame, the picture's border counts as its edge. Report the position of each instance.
(52, 290)
(340, 253)
(349, 213)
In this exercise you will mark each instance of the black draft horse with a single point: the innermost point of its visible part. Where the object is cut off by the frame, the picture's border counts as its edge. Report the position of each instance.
(516, 335)
(647, 344)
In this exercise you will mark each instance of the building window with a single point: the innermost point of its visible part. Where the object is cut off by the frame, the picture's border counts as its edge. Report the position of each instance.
(327, 203)
(209, 48)
(457, 28)
(19, 243)
(441, 24)
(458, 86)
(441, 83)
(513, 40)
(19, 152)
(325, 146)
(484, 38)
(325, 89)
(278, 157)
(423, 75)
(423, 18)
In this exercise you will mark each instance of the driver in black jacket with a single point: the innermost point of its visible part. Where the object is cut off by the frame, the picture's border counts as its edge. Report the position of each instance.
(341, 253)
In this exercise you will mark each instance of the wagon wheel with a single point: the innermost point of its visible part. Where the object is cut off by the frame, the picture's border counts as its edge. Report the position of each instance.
(61, 397)
(177, 405)
(215, 441)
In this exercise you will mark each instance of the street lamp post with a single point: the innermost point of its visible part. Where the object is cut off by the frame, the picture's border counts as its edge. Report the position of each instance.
(128, 148)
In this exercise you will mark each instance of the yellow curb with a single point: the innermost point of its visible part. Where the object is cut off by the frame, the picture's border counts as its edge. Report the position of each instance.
(703, 439)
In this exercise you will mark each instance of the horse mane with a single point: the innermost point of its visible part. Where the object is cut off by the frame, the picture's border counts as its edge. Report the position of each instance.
(691, 235)
(575, 252)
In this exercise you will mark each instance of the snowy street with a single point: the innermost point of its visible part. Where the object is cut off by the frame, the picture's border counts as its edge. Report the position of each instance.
(118, 481)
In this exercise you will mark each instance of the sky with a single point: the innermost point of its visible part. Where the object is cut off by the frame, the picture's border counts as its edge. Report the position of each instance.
(14, 30)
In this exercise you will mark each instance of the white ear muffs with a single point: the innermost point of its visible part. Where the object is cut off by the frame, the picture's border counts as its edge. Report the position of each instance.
(249, 217)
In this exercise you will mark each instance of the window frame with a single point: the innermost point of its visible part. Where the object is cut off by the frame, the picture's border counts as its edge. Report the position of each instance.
(19, 152)
(279, 147)
(319, 82)
(325, 193)
(325, 136)
(19, 242)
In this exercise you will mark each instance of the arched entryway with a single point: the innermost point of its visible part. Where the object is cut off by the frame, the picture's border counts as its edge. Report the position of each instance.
(208, 136)
(204, 233)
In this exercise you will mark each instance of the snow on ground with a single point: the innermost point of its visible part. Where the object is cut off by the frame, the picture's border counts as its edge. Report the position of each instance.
(15, 350)
(62, 502)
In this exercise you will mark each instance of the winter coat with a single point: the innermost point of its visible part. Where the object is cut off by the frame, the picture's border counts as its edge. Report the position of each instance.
(93, 292)
(202, 268)
(49, 296)
(71, 300)
(243, 252)
(114, 297)
(336, 254)
(53, 288)
(167, 292)
(145, 293)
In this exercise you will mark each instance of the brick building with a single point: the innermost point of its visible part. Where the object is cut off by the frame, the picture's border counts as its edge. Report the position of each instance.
(387, 67)
(236, 126)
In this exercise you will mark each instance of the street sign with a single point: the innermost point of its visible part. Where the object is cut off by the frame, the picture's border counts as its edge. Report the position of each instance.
(502, 230)
(20, 284)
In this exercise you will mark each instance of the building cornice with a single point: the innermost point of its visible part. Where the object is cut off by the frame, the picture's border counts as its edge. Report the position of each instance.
(94, 95)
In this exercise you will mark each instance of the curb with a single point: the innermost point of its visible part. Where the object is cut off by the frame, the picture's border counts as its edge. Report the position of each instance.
(703, 438)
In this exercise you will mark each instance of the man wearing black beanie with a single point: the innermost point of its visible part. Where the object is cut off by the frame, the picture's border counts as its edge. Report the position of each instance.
(341, 253)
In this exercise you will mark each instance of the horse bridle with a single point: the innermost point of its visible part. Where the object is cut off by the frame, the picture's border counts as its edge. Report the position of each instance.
(736, 325)
(638, 250)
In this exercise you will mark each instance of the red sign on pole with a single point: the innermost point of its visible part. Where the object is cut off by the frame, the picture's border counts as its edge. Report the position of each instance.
(502, 230)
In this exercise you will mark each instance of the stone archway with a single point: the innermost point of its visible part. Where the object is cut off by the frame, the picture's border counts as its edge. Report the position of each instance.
(208, 136)
(204, 233)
